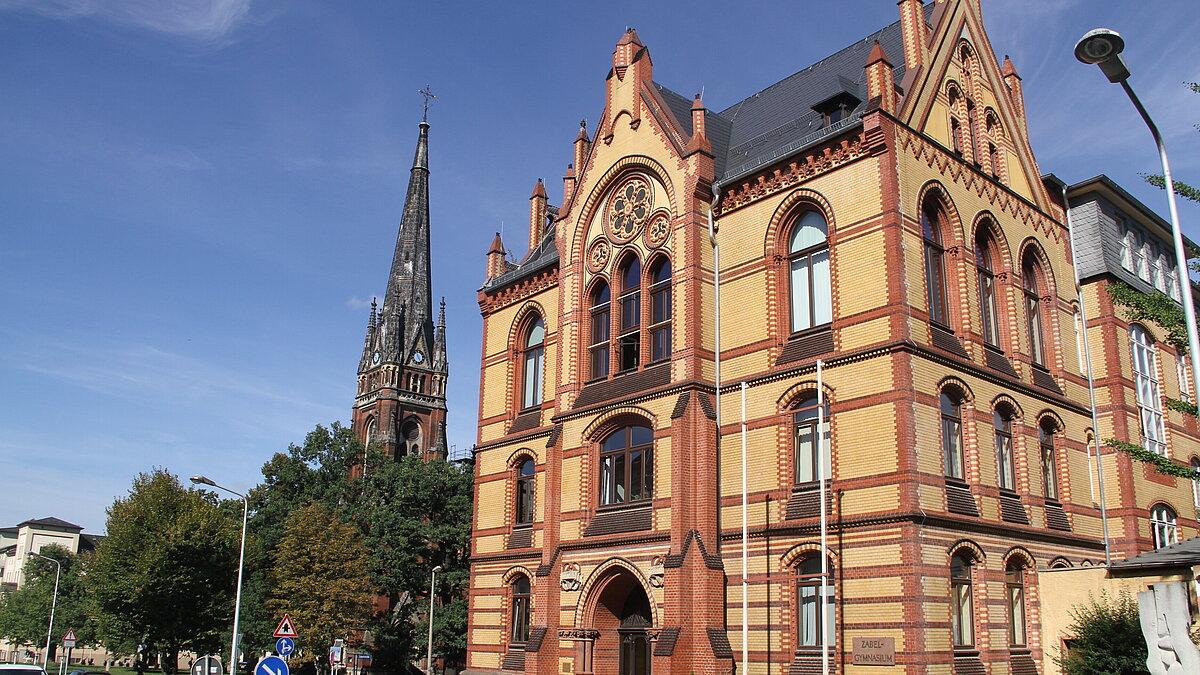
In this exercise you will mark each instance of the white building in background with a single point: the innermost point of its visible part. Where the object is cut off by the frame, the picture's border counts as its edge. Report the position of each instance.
(17, 542)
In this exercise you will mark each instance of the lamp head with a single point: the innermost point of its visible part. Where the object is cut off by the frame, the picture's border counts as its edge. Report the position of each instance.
(202, 481)
(1103, 47)
(437, 570)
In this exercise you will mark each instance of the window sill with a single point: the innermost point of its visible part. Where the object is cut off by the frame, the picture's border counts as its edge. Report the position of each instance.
(796, 335)
(951, 481)
(615, 519)
(966, 652)
(1009, 493)
(624, 506)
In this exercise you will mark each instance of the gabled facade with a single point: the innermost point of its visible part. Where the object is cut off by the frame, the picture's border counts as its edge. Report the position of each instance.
(402, 375)
(879, 211)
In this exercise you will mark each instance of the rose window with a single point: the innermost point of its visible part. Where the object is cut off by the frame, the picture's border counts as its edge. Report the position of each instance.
(629, 208)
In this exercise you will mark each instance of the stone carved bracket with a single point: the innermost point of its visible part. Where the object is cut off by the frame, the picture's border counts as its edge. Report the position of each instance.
(571, 578)
(578, 634)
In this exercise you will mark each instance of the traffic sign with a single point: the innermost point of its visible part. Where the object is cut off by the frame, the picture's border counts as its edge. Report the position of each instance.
(68, 640)
(335, 655)
(284, 646)
(271, 665)
(207, 665)
(285, 628)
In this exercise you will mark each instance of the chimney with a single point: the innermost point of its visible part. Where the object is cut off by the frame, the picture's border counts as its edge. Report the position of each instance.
(881, 79)
(582, 146)
(914, 32)
(1013, 81)
(495, 258)
(699, 141)
(537, 214)
(568, 185)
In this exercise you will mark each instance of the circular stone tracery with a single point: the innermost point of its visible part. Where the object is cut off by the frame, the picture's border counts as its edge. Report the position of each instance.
(598, 254)
(629, 208)
(659, 229)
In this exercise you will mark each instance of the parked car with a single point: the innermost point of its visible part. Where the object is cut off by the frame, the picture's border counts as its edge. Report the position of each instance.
(80, 671)
(20, 669)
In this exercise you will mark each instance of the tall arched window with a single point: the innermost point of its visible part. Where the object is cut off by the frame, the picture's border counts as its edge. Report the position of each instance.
(519, 632)
(935, 270)
(989, 316)
(627, 466)
(601, 324)
(1006, 469)
(955, 98)
(660, 310)
(410, 435)
(524, 505)
(812, 613)
(1014, 588)
(1163, 526)
(372, 432)
(962, 610)
(1033, 308)
(1149, 398)
(1046, 431)
(534, 359)
(804, 442)
(1196, 483)
(629, 336)
(808, 272)
(952, 442)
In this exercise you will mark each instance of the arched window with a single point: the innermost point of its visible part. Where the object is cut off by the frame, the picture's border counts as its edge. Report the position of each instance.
(804, 443)
(952, 441)
(808, 272)
(1005, 463)
(601, 324)
(627, 466)
(534, 359)
(1163, 526)
(372, 432)
(519, 633)
(1033, 308)
(410, 435)
(1046, 431)
(955, 98)
(1149, 398)
(811, 611)
(1196, 483)
(1014, 588)
(962, 610)
(629, 336)
(524, 505)
(935, 271)
(660, 310)
(988, 314)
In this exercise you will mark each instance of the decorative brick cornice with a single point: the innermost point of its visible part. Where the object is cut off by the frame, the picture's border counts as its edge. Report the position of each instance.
(533, 284)
(801, 168)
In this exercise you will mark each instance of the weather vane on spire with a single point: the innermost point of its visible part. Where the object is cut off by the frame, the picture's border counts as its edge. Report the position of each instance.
(427, 92)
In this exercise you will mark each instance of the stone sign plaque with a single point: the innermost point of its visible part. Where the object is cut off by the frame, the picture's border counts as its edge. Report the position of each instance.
(874, 651)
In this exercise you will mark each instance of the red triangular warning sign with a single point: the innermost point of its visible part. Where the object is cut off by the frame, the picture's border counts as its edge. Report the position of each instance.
(285, 628)
(70, 636)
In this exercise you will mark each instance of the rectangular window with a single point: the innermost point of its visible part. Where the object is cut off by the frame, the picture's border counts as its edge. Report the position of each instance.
(630, 342)
(813, 613)
(1004, 453)
(1127, 246)
(599, 346)
(962, 615)
(1149, 396)
(1016, 612)
(1049, 468)
(952, 448)
(534, 363)
(660, 320)
(935, 287)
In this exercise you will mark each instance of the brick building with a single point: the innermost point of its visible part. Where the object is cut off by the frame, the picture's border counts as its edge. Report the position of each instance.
(880, 211)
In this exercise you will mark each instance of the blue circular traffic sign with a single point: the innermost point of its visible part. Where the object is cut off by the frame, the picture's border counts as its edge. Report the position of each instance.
(284, 646)
(271, 665)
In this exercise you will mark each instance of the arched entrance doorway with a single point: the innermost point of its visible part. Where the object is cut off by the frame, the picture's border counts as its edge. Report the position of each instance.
(622, 618)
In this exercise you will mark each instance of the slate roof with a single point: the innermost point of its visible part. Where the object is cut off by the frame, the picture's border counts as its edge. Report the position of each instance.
(766, 126)
(50, 522)
(1183, 554)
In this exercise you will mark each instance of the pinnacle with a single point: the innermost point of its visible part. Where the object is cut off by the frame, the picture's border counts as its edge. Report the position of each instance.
(539, 190)
(497, 245)
(877, 54)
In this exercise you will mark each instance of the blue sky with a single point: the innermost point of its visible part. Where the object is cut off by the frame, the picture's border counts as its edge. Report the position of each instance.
(199, 197)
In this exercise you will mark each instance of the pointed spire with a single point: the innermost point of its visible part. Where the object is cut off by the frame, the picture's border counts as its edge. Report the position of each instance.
(407, 305)
(539, 190)
(496, 264)
(877, 54)
(699, 141)
(583, 132)
(1008, 69)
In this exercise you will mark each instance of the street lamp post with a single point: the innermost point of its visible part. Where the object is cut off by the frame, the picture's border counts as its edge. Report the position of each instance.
(1103, 47)
(53, 605)
(429, 650)
(237, 604)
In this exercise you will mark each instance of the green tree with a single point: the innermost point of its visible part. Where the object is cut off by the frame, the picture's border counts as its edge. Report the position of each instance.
(319, 579)
(165, 574)
(317, 471)
(1182, 189)
(417, 515)
(25, 612)
(1107, 638)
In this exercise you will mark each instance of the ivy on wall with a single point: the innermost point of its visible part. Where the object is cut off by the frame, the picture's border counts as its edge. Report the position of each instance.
(1161, 464)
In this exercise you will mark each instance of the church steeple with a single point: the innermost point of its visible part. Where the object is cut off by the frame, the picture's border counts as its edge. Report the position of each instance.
(407, 304)
(401, 402)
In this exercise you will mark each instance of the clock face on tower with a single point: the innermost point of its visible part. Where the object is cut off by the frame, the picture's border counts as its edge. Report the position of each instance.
(418, 357)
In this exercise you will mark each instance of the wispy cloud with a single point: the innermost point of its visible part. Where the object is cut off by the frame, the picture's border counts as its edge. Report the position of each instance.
(201, 20)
